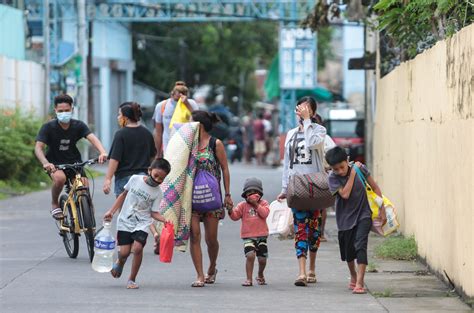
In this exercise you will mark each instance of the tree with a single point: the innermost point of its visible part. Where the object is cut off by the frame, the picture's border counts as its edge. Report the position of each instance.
(205, 53)
(325, 51)
(407, 27)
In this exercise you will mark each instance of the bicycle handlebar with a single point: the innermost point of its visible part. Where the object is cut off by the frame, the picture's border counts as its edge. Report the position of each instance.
(76, 165)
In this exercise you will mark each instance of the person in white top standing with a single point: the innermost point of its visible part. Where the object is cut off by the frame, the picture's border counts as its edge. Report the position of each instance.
(164, 112)
(303, 156)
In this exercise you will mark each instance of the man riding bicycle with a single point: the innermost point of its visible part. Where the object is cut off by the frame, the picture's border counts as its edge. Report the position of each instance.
(61, 136)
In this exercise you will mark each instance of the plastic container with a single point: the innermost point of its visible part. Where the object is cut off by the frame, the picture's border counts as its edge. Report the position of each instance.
(104, 247)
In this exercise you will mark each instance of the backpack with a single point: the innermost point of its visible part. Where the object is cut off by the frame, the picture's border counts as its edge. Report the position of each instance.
(206, 189)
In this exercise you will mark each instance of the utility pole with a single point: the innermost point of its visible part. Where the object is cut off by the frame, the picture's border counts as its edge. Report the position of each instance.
(82, 90)
(90, 75)
(241, 94)
(47, 89)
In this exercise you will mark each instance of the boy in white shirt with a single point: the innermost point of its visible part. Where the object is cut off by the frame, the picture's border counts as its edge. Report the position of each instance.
(138, 209)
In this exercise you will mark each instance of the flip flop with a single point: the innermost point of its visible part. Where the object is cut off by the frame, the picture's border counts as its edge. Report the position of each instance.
(261, 281)
(359, 291)
(301, 281)
(351, 286)
(211, 279)
(247, 283)
(197, 284)
(57, 214)
(132, 285)
(116, 270)
(311, 278)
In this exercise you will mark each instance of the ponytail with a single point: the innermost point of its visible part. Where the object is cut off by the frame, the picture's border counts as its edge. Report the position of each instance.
(214, 118)
(131, 110)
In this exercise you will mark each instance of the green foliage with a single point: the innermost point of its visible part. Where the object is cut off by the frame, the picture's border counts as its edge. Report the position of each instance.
(410, 27)
(372, 267)
(211, 53)
(398, 248)
(387, 293)
(19, 167)
(325, 51)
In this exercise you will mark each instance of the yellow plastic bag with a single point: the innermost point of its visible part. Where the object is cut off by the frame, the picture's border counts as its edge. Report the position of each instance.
(374, 201)
(181, 114)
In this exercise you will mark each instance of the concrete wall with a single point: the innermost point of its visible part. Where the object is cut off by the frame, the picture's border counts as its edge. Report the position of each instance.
(22, 85)
(12, 33)
(424, 153)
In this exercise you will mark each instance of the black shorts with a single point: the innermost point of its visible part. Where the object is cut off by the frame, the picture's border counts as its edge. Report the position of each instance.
(258, 244)
(125, 238)
(71, 174)
(353, 242)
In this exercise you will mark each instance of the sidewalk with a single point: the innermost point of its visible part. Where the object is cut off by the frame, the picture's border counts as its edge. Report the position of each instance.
(402, 286)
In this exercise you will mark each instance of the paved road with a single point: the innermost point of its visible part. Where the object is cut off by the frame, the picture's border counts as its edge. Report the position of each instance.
(37, 276)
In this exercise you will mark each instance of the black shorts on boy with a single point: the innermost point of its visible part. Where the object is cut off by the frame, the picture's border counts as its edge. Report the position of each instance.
(353, 242)
(125, 238)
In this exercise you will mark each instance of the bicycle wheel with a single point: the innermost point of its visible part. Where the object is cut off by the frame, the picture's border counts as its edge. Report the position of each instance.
(70, 239)
(89, 224)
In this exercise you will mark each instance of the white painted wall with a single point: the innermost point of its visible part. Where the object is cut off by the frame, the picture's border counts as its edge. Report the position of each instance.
(22, 86)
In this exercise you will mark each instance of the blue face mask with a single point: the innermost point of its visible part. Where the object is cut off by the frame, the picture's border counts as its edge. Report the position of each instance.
(64, 117)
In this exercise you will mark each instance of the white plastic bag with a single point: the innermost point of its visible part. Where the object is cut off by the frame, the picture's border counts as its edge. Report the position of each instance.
(280, 220)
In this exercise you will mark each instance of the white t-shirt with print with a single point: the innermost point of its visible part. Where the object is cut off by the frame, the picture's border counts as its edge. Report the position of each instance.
(141, 200)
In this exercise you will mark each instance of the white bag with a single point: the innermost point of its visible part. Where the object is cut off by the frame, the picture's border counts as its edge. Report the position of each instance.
(392, 221)
(280, 219)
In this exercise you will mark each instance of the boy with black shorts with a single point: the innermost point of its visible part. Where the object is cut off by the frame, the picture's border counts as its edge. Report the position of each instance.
(139, 204)
(353, 213)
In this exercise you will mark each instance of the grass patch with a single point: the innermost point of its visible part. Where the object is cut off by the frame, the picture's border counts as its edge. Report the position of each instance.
(372, 268)
(9, 188)
(398, 248)
(387, 293)
(93, 173)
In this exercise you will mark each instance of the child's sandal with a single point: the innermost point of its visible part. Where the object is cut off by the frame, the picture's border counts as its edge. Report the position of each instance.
(351, 286)
(197, 284)
(359, 291)
(116, 270)
(247, 283)
(132, 285)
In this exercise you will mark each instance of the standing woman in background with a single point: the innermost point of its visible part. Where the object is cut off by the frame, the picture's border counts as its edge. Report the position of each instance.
(132, 150)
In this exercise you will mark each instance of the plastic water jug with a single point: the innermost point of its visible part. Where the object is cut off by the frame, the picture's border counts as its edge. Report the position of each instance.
(104, 246)
(280, 218)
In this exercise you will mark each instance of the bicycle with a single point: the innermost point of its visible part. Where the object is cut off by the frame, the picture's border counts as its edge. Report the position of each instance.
(78, 211)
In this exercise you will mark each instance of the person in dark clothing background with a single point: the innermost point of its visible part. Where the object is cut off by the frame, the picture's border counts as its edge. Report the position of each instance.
(132, 151)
